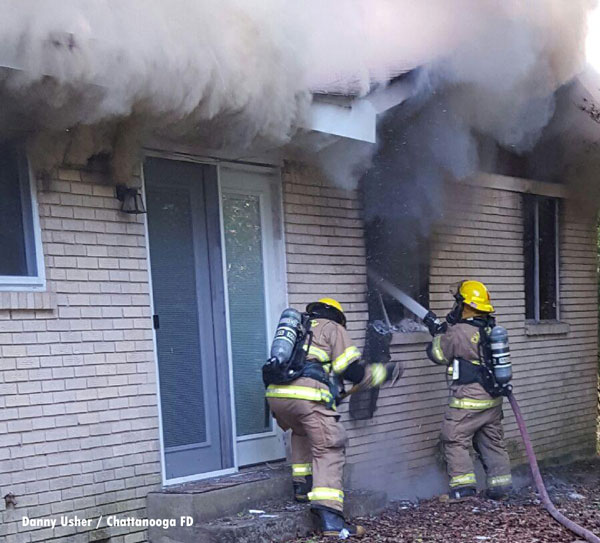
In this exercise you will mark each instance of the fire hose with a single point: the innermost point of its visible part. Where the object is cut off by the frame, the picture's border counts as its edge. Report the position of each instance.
(420, 311)
(539, 482)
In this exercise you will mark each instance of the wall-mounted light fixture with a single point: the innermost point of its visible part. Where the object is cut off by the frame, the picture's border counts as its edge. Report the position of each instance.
(131, 199)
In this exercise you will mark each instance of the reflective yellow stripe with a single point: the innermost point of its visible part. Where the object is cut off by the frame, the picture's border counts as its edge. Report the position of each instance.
(378, 374)
(463, 480)
(327, 368)
(321, 494)
(500, 480)
(319, 354)
(436, 350)
(300, 470)
(345, 359)
(469, 403)
(300, 393)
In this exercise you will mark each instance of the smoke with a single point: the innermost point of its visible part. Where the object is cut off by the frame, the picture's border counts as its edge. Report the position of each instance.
(235, 72)
(495, 91)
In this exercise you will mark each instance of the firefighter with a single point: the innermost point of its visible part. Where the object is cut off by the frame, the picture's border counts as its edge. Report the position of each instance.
(307, 406)
(473, 416)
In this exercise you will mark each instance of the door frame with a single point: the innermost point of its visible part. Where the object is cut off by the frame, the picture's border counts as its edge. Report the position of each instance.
(278, 222)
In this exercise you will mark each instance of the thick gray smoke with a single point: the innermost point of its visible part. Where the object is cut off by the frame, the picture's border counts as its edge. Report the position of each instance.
(497, 89)
(241, 71)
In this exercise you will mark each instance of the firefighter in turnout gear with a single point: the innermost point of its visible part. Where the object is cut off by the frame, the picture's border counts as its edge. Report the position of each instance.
(474, 414)
(307, 406)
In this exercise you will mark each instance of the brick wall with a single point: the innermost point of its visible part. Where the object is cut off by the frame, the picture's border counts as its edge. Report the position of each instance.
(325, 246)
(78, 410)
(555, 374)
(78, 414)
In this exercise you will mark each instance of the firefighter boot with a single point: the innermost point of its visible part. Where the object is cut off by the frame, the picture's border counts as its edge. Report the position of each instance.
(462, 492)
(302, 488)
(332, 523)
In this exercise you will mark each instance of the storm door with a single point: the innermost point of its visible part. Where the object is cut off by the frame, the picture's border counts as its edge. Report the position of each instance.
(189, 317)
(256, 293)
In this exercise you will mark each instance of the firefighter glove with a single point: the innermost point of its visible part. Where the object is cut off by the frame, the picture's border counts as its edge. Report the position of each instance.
(385, 373)
(434, 325)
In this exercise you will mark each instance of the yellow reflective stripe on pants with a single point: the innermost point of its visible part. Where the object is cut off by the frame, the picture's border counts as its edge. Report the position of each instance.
(319, 354)
(469, 403)
(468, 479)
(301, 470)
(500, 480)
(322, 494)
(436, 350)
(345, 359)
(378, 374)
(299, 393)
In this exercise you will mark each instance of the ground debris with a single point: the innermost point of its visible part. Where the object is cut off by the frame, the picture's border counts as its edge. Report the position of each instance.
(519, 519)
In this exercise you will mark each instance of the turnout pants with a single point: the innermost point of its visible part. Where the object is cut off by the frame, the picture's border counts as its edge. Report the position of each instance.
(318, 447)
(483, 429)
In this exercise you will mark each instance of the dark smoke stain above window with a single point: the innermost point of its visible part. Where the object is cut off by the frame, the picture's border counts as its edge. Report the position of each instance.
(541, 252)
(18, 254)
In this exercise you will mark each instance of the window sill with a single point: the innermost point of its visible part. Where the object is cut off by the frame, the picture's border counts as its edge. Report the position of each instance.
(546, 328)
(15, 300)
(410, 338)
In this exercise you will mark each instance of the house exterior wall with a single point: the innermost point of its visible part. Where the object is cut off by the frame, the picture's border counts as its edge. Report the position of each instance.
(78, 408)
(482, 237)
(78, 405)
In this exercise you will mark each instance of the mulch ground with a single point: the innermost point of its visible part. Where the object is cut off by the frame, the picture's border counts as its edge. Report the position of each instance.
(575, 490)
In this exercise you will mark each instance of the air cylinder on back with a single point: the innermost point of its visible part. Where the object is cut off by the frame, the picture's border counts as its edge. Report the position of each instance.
(501, 355)
(286, 335)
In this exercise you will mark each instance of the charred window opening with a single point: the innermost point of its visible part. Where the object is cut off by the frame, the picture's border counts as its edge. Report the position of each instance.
(401, 255)
(541, 251)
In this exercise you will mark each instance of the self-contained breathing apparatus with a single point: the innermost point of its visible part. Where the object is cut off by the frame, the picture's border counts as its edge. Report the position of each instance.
(493, 369)
(292, 341)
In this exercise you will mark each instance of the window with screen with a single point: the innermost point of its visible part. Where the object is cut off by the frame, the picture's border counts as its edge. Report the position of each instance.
(19, 251)
(541, 252)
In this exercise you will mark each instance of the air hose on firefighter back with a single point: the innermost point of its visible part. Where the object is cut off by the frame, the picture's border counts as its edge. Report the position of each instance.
(539, 482)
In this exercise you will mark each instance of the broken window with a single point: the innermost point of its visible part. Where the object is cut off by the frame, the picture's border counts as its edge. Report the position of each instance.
(541, 251)
(20, 248)
(400, 255)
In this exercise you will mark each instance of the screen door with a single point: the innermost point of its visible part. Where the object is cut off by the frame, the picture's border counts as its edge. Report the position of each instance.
(189, 316)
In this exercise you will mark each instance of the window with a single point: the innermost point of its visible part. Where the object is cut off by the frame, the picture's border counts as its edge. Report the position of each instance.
(401, 255)
(20, 247)
(541, 216)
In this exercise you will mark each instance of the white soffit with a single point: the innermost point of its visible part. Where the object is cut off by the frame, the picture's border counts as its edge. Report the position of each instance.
(355, 118)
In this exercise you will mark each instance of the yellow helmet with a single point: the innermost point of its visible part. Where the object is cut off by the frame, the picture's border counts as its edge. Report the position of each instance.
(327, 308)
(332, 303)
(476, 295)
